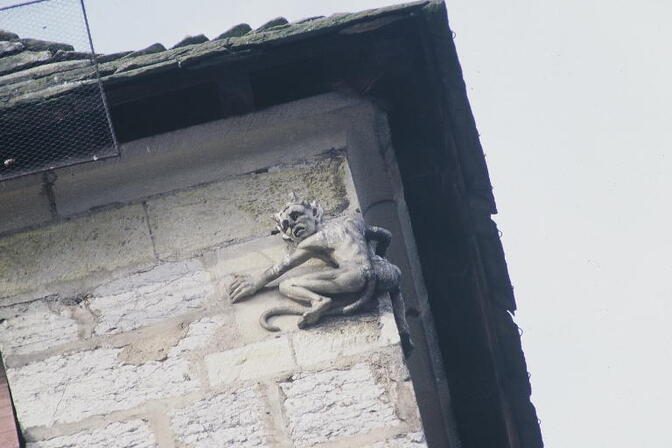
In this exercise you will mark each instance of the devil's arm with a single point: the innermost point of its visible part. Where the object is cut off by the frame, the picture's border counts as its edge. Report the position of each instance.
(244, 285)
(381, 236)
(298, 257)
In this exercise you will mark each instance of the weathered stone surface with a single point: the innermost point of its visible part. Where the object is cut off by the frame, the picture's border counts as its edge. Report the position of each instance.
(35, 326)
(328, 405)
(132, 434)
(262, 359)
(191, 40)
(23, 60)
(69, 388)
(241, 207)
(143, 299)
(221, 421)
(236, 31)
(74, 249)
(412, 440)
(7, 48)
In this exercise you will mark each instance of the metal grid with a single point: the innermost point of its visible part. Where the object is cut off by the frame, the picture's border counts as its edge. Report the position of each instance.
(45, 121)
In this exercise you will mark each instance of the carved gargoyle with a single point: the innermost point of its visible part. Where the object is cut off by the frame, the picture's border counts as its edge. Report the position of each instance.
(354, 254)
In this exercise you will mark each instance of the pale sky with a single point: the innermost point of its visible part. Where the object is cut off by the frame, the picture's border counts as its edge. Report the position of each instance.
(572, 101)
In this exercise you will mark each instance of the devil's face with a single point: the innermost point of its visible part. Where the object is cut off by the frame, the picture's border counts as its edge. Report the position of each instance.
(297, 222)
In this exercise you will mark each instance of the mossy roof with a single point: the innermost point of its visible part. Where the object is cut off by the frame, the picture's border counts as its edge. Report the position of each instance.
(34, 71)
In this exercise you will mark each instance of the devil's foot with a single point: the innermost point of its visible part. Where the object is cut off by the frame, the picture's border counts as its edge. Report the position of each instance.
(309, 318)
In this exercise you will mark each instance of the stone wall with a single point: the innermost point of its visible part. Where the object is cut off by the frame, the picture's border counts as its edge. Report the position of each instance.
(116, 329)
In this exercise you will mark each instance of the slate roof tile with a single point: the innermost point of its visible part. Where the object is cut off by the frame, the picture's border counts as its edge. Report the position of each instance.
(235, 31)
(278, 21)
(23, 60)
(154, 48)
(8, 48)
(191, 40)
(7, 35)
(42, 45)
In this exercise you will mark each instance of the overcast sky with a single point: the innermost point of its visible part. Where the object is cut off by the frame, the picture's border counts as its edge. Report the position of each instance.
(572, 101)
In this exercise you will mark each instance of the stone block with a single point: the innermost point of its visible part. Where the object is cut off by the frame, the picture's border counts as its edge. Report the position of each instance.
(202, 334)
(238, 208)
(262, 359)
(36, 326)
(149, 297)
(231, 419)
(69, 388)
(135, 434)
(411, 440)
(328, 405)
(74, 249)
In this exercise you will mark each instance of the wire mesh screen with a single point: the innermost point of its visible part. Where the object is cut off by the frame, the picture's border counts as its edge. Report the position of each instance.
(52, 106)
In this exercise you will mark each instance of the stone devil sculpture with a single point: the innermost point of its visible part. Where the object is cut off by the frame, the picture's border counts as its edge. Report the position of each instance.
(354, 255)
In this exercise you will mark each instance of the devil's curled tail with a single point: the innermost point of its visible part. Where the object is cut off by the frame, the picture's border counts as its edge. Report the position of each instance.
(279, 311)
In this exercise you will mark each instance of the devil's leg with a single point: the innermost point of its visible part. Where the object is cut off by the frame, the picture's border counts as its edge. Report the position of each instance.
(313, 288)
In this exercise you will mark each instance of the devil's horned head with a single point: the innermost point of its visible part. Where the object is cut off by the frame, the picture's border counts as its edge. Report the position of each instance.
(299, 219)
